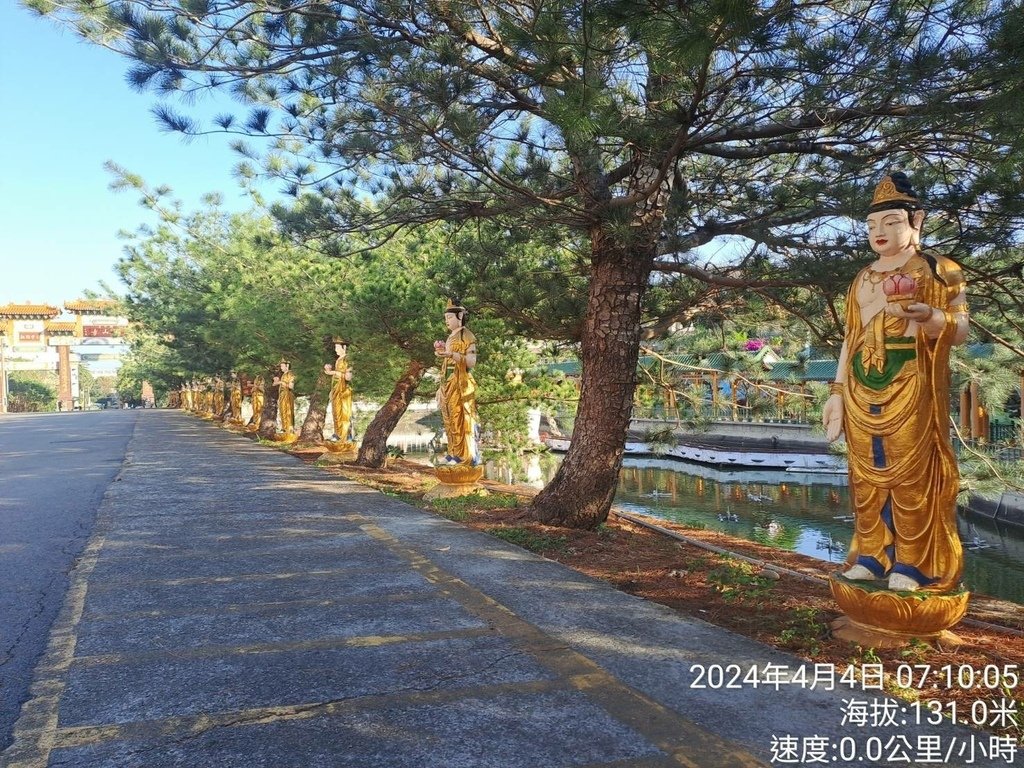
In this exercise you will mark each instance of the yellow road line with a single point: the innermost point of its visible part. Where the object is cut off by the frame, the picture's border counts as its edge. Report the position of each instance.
(217, 651)
(683, 740)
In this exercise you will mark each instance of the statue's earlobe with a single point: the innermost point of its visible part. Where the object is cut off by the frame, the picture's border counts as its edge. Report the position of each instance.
(916, 223)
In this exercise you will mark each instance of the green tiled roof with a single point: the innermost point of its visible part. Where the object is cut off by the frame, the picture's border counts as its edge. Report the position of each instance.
(785, 371)
(720, 361)
(821, 370)
(672, 361)
(813, 370)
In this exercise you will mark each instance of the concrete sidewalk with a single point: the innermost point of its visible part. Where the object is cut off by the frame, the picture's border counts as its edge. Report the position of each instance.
(235, 607)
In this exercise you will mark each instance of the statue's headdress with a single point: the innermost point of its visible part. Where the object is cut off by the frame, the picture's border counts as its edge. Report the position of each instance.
(286, 361)
(454, 306)
(338, 340)
(894, 191)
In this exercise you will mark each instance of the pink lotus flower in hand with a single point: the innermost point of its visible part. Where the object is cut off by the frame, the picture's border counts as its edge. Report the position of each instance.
(899, 284)
(439, 346)
(900, 289)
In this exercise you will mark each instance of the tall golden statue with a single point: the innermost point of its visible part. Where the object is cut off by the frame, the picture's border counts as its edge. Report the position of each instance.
(285, 384)
(236, 398)
(341, 393)
(256, 398)
(218, 397)
(904, 312)
(210, 385)
(206, 398)
(456, 397)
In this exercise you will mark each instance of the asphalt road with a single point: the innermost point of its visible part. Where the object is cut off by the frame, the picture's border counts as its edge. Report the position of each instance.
(54, 470)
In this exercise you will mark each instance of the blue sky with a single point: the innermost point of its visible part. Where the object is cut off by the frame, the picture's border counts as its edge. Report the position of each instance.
(66, 110)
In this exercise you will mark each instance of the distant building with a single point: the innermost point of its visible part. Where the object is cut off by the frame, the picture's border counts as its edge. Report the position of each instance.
(100, 335)
(39, 337)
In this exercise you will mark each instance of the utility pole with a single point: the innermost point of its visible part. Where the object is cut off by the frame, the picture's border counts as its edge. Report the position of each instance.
(3, 372)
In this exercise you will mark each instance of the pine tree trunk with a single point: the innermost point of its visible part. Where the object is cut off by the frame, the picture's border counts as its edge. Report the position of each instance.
(312, 432)
(268, 419)
(374, 449)
(581, 493)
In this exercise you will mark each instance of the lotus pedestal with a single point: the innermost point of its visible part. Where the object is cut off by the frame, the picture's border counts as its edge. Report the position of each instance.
(456, 480)
(877, 617)
(340, 452)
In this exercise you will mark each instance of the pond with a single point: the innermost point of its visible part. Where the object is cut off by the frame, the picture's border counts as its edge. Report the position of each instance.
(809, 514)
(805, 513)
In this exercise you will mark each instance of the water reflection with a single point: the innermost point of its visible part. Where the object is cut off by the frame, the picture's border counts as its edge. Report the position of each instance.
(785, 511)
(805, 513)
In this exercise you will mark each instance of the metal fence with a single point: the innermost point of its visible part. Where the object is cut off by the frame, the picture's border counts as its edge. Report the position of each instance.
(1003, 443)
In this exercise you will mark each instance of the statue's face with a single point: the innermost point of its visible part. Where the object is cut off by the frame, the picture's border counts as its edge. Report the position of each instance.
(452, 321)
(892, 231)
(284, 367)
(340, 350)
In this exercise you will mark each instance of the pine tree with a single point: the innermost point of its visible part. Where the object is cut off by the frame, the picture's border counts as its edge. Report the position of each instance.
(649, 128)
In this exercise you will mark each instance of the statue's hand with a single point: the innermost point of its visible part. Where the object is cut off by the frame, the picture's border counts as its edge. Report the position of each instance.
(918, 312)
(328, 369)
(832, 417)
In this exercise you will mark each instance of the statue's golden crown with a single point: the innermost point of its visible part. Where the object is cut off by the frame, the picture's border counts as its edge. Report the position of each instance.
(339, 340)
(452, 305)
(886, 192)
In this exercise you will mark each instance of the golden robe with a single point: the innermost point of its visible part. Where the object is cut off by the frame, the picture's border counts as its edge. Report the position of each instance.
(256, 398)
(341, 402)
(903, 473)
(286, 401)
(456, 398)
(218, 399)
(236, 400)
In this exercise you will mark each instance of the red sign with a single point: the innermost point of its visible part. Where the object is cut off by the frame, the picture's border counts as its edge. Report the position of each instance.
(94, 331)
(26, 336)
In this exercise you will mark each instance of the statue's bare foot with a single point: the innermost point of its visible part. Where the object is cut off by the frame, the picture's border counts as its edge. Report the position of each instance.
(900, 583)
(858, 573)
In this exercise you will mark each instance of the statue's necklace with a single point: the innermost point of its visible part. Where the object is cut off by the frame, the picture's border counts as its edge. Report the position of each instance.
(875, 278)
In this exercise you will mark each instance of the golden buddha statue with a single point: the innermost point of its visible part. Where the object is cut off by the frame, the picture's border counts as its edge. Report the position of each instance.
(285, 384)
(904, 312)
(218, 397)
(236, 398)
(341, 393)
(256, 398)
(205, 398)
(456, 397)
